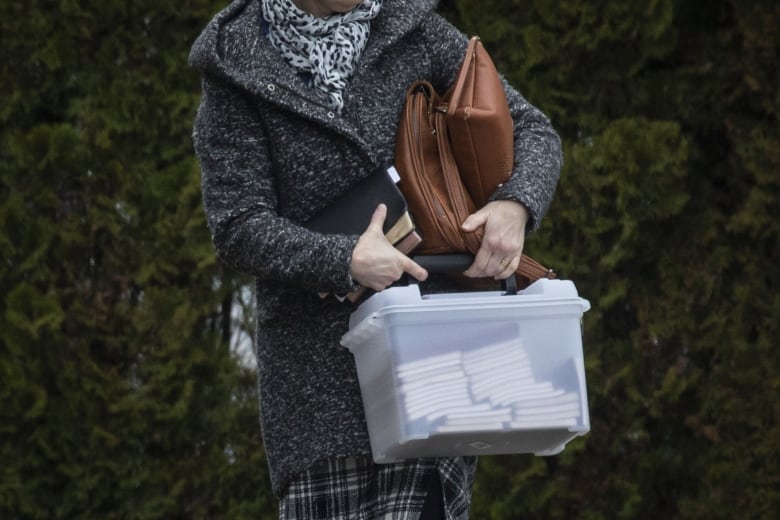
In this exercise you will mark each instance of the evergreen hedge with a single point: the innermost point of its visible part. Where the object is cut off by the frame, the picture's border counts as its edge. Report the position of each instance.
(666, 218)
(121, 396)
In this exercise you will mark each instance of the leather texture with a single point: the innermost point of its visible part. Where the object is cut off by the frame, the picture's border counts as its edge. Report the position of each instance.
(452, 152)
(480, 125)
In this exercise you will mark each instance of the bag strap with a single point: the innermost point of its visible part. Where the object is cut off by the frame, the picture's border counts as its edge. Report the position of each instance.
(457, 194)
(422, 107)
(456, 91)
(533, 270)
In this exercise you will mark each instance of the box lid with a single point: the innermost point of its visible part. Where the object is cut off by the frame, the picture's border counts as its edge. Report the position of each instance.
(410, 299)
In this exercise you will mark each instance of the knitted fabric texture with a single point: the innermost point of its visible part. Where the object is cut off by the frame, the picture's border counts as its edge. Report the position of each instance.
(272, 155)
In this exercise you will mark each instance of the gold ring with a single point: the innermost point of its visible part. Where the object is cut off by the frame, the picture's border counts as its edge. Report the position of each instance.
(504, 262)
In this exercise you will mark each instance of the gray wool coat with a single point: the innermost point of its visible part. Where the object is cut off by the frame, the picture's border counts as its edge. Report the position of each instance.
(272, 155)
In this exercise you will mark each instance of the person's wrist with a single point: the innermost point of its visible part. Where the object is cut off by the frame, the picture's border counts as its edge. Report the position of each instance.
(524, 216)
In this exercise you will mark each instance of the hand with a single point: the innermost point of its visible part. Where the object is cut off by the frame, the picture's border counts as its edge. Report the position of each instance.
(376, 264)
(502, 244)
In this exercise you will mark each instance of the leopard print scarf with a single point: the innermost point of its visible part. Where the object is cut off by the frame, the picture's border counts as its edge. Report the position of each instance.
(327, 48)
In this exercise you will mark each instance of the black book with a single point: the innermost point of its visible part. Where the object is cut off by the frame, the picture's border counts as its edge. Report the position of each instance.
(351, 212)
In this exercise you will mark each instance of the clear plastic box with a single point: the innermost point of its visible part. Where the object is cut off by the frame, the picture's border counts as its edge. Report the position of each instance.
(471, 373)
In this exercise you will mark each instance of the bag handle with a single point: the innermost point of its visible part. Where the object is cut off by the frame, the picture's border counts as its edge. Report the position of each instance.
(533, 270)
(456, 91)
(529, 269)
(457, 263)
(457, 194)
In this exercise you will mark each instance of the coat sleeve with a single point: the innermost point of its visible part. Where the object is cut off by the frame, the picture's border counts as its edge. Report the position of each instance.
(537, 156)
(239, 197)
(538, 159)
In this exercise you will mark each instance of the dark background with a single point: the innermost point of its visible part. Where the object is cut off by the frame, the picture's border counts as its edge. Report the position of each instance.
(122, 392)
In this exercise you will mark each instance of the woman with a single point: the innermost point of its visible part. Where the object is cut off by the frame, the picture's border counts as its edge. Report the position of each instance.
(301, 99)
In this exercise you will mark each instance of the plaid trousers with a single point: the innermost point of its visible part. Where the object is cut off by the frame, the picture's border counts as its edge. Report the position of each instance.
(356, 488)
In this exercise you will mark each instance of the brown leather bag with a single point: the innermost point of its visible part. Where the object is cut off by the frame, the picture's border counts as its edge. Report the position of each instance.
(452, 152)
(481, 129)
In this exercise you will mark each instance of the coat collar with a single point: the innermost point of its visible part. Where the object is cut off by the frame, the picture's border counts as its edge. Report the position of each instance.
(232, 48)
(232, 45)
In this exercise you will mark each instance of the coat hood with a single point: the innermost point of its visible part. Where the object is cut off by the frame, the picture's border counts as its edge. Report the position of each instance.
(232, 46)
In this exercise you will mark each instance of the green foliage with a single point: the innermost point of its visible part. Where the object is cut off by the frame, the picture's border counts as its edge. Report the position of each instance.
(120, 395)
(666, 217)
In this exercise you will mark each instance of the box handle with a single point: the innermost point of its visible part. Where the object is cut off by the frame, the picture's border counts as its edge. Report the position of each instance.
(456, 263)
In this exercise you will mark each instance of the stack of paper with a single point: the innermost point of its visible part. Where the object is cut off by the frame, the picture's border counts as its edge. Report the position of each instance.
(490, 388)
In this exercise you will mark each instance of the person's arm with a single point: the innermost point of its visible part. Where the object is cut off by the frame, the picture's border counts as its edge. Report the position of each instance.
(517, 206)
(240, 201)
(538, 159)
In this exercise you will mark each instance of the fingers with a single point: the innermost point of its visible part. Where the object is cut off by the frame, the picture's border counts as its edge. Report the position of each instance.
(494, 263)
(502, 244)
(475, 220)
(378, 218)
(508, 266)
(487, 265)
(480, 264)
(375, 263)
(414, 269)
(382, 277)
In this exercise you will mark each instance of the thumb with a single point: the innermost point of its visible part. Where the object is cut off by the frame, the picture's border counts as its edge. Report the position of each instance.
(475, 220)
(378, 218)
